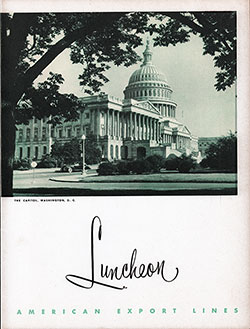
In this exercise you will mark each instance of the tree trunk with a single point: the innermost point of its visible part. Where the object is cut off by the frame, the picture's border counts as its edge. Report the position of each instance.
(8, 130)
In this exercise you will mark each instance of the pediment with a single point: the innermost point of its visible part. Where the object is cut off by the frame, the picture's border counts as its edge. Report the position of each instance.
(184, 129)
(148, 106)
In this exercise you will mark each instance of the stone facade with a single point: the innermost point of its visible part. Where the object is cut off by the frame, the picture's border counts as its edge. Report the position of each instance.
(142, 124)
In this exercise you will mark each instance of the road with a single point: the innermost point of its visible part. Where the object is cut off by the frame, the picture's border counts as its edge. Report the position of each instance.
(39, 184)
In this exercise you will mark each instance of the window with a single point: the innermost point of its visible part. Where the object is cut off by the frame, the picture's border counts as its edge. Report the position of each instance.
(69, 132)
(20, 135)
(45, 150)
(28, 134)
(20, 152)
(36, 152)
(87, 130)
(44, 133)
(102, 130)
(60, 133)
(78, 131)
(28, 152)
(111, 151)
(87, 115)
(116, 152)
(36, 134)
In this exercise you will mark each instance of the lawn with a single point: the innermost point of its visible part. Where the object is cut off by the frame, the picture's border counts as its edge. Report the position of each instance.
(164, 177)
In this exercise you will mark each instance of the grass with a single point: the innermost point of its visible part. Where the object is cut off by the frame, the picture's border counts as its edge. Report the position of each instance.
(164, 177)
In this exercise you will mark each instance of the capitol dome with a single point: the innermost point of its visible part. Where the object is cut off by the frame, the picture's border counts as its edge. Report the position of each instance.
(147, 73)
(148, 83)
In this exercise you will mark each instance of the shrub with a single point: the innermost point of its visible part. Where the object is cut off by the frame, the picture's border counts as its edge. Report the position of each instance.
(156, 162)
(21, 164)
(106, 168)
(172, 162)
(47, 162)
(140, 166)
(186, 163)
(123, 167)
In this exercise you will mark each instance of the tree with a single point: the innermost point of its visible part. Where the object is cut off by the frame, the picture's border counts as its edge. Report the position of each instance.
(57, 152)
(186, 163)
(71, 152)
(30, 42)
(68, 153)
(93, 153)
(217, 30)
(222, 155)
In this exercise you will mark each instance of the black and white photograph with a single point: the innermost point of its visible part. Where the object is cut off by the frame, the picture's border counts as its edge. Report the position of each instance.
(119, 103)
(125, 164)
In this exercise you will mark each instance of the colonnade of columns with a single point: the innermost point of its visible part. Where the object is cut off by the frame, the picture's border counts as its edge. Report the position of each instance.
(167, 139)
(167, 110)
(131, 125)
(156, 92)
(182, 141)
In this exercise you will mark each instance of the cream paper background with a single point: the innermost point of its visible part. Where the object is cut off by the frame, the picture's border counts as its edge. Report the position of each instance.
(207, 238)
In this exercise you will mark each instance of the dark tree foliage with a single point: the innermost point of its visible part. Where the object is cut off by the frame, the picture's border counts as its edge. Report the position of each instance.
(186, 163)
(57, 152)
(71, 152)
(68, 153)
(222, 155)
(47, 161)
(156, 162)
(46, 101)
(218, 33)
(93, 153)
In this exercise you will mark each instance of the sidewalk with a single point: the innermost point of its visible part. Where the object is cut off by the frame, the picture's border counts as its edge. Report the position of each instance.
(36, 170)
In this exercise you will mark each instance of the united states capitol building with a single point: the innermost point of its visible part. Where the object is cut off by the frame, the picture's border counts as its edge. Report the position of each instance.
(143, 123)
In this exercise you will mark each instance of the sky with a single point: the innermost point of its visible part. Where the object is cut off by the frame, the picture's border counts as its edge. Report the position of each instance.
(191, 75)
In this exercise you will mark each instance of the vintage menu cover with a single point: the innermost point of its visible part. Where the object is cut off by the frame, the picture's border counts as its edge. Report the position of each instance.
(158, 236)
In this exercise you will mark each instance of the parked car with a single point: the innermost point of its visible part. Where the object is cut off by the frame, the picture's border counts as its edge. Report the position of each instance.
(77, 167)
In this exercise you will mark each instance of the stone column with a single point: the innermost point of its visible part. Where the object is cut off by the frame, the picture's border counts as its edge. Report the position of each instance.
(153, 129)
(107, 122)
(125, 125)
(139, 126)
(113, 124)
(122, 122)
(135, 127)
(98, 120)
(130, 125)
(150, 128)
(118, 124)
(142, 131)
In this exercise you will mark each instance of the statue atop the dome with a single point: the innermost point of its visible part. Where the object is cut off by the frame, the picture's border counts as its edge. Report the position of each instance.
(147, 54)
